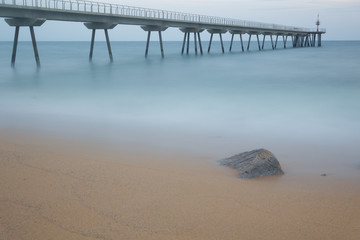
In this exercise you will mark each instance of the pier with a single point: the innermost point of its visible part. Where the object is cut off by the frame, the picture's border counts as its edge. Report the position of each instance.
(105, 16)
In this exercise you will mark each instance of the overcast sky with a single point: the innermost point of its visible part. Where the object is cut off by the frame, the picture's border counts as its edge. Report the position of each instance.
(339, 17)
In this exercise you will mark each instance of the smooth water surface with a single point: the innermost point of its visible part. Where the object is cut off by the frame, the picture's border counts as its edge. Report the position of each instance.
(303, 104)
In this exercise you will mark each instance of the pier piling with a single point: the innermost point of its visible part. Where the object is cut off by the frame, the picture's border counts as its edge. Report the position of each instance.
(248, 46)
(92, 44)
(314, 39)
(36, 53)
(161, 44)
(231, 43)
(276, 40)
(222, 44)
(195, 43)
(147, 44)
(201, 50)
(188, 43)
(257, 36)
(242, 44)
(16, 37)
(263, 43)
(211, 37)
(183, 46)
(108, 44)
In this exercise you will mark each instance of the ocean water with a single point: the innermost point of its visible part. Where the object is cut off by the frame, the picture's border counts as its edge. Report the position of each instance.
(302, 104)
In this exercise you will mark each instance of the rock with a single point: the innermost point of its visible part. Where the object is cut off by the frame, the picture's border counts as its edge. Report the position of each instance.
(323, 175)
(256, 163)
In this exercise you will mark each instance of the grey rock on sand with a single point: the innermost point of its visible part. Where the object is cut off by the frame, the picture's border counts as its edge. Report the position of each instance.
(256, 163)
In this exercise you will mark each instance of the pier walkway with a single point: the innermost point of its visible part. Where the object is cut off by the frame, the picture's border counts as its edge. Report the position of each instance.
(105, 16)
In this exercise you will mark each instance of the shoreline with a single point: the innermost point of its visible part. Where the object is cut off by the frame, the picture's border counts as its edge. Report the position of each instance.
(56, 188)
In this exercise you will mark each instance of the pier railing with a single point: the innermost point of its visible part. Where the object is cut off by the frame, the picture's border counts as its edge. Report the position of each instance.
(138, 12)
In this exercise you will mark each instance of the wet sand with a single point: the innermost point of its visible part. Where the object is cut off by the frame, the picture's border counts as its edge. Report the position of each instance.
(58, 189)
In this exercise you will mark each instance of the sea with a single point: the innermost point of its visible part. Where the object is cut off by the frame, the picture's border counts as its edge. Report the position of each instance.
(303, 104)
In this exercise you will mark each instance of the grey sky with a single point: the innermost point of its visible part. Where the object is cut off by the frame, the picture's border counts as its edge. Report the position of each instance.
(339, 17)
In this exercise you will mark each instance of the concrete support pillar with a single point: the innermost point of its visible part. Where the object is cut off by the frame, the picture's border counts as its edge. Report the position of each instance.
(284, 41)
(92, 44)
(220, 32)
(108, 44)
(147, 43)
(210, 41)
(201, 50)
(188, 43)
(231, 43)
(25, 22)
(161, 44)
(36, 53)
(272, 43)
(248, 46)
(16, 37)
(257, 37)
(296, 41)
(242, 44)
(319, 40)
(153, 28)
(277, 36)
(302, 41)
(195, 43)
(100, 25)
(307, 40)
(222, 44)
(263, 43)
(183, 46)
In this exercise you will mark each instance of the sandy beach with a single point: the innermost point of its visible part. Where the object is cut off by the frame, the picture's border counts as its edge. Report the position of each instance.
(58, 189)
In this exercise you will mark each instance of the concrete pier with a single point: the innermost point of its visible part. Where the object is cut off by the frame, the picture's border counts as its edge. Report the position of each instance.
(105, 16)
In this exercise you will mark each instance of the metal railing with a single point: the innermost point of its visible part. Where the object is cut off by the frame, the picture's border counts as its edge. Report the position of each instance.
(145, 13)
